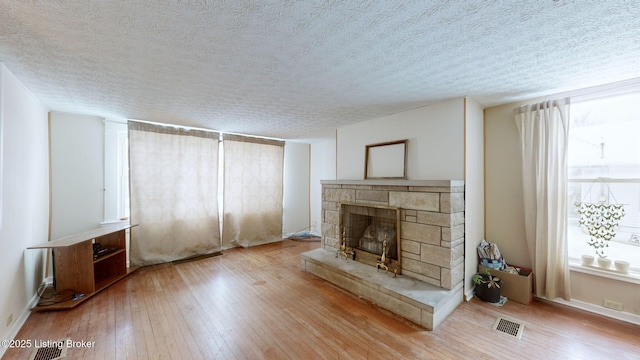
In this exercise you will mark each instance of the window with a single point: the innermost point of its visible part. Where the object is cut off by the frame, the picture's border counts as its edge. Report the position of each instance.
(116, 172)
(604, 167)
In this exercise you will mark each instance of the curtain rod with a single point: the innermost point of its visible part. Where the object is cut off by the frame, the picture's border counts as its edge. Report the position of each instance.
(600, 91)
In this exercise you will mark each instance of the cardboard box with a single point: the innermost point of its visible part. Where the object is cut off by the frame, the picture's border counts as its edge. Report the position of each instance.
(518, 288)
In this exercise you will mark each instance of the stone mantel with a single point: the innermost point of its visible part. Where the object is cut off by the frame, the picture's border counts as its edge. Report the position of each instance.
(396, 182)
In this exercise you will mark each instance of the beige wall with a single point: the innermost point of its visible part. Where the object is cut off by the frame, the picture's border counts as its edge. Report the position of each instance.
(435, 148)
(505, 223)
(503, 187)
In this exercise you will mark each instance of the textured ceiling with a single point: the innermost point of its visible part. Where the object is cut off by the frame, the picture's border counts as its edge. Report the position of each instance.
(300, 69)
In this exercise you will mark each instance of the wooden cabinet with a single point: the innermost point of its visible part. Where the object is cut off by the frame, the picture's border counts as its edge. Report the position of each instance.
(79, 272)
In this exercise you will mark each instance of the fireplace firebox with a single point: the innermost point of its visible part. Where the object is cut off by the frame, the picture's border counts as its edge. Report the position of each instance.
(368, 232)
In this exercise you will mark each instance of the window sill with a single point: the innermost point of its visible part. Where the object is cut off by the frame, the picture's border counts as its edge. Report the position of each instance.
(632, 277)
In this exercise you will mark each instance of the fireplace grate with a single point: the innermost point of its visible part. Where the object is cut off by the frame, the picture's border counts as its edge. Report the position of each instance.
(509, 327)
(55, 351)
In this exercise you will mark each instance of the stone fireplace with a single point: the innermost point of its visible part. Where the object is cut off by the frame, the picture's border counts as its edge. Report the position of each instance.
(429, 246)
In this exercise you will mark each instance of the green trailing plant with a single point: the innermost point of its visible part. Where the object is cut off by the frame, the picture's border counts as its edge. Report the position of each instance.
(600, 221)
(477, 279)
(486, 278)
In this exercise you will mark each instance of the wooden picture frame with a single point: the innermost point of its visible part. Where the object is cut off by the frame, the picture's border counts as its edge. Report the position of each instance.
(387, 160)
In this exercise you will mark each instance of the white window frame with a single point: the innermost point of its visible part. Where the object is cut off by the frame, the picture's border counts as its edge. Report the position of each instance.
(116, 172)
(624, 232)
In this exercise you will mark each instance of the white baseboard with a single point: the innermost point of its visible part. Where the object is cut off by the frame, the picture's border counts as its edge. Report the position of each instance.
(469, 294)
(600, 310)
(19, 322)
(596, 309)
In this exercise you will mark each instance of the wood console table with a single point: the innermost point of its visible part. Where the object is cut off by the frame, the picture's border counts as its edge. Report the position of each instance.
(78, 272)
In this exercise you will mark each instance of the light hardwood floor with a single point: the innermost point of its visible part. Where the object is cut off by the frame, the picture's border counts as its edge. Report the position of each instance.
(258, 303)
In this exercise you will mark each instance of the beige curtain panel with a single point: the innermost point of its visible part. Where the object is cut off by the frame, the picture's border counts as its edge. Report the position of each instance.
(174, 193)
(252, 191)
(544, 132)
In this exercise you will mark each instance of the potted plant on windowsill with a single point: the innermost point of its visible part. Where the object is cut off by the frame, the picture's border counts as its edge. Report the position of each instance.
(487, 286)
(600, 220)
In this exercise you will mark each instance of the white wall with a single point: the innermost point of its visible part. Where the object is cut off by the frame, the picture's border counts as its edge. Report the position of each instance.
(296, 216)
(77, 175)
(25, 200)
(505, 218)
(474, 188)
(323, 167)
(435, 148)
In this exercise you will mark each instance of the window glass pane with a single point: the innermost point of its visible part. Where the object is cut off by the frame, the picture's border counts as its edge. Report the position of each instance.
(604, 167)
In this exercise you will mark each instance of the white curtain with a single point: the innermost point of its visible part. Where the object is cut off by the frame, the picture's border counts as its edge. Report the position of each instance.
(252, 191)
(174, 193)
(544, 131)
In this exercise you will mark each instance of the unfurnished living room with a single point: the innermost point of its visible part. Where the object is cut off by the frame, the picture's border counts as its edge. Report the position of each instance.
(319, 179)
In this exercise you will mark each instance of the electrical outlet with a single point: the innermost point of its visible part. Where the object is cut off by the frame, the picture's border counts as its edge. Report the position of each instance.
(613, 304)
(9, 320)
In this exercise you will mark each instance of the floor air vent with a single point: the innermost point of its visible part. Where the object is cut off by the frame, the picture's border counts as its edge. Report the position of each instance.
(54, 351)
(509, 327)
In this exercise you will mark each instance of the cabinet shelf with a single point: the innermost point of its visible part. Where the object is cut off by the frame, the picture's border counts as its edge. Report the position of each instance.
(107, 256)
(78, 273)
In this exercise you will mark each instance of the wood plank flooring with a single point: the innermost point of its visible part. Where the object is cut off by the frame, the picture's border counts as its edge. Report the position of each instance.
(258, 303)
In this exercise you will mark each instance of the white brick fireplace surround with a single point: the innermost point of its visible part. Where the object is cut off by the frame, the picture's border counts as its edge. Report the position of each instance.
(432, 246)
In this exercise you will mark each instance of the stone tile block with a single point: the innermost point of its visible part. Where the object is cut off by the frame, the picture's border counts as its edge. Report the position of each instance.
(331, 242)
(339, 195)
(419, 267)
(408, 215)
(457, 241)
(415, 201)
(330, 230)
(331, 186)
(410, 255)
(410, 246)
(332, 217)
(372, 203)
(372, 195)
(428, 234)
(410, 212)
(451, 202)
(436, 255)
(452, 277)
(421, 277)
(331, 205)
(457, 219)
(434, 218)
(457, 253)
(453, 233)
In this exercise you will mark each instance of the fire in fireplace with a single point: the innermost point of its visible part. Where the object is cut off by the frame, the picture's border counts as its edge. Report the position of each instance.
(368, 231)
